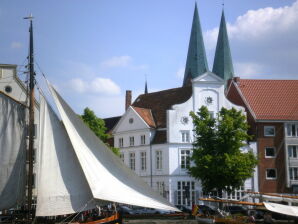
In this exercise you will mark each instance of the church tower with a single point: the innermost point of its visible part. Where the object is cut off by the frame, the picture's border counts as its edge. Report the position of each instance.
(223, 65)
(196, 63)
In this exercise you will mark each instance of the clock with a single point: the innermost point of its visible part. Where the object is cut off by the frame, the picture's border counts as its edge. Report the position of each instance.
(184, 120)
(208, 100)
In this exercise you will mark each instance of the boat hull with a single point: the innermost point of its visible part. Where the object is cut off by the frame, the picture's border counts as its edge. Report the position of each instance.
(114, 219)
(205, 220)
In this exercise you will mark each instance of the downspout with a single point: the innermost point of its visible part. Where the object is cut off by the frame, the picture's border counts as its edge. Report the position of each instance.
(150, 145)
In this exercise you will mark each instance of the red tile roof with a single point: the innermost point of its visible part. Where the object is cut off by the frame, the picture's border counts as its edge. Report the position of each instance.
(146, 115)
(271, 99)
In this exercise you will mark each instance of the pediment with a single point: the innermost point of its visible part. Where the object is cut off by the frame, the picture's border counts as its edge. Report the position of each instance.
(208, 77)
(130, 121)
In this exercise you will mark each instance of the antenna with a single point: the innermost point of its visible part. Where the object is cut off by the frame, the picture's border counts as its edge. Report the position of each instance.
(223, 4)
(30, 17)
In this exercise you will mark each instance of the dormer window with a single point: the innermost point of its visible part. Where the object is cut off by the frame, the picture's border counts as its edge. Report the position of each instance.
(130, 120)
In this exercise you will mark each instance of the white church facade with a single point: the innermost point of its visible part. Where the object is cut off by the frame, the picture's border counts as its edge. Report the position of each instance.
(155, 134)
(160, 153)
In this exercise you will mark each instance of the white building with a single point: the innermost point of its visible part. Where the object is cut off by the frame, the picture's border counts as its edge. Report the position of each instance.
(11, 85)
(155, 134)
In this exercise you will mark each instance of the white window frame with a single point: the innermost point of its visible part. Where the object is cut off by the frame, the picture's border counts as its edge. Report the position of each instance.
(271, 178)
(131, 140)
(289, 128)
(185, 155)
(294, 150)
(143, 139)
(292, 175)
(158, 160)
(181, 193)
(143, 157)
(120, 142)
(274, 149)
(185, 136)
(132, 161)
(269, 135)
(160, 187)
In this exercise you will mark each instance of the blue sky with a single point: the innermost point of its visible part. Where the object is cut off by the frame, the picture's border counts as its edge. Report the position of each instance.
(94, 50)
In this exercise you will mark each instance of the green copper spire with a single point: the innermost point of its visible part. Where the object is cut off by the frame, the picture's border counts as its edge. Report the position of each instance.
(196, 63)
(223, 65)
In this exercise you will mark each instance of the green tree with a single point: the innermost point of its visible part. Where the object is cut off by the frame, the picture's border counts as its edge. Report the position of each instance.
(218, 160)
(97, 125)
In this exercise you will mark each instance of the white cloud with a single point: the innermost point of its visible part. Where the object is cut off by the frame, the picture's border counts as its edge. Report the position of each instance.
(78, 85)
(106, 86)
(123, 62)
(263, 41)
(180, 72)
(98, 85)
(16, 45)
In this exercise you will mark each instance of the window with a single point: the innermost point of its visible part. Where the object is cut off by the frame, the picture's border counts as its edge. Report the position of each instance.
(158, 159)
(293, 171)
(271, 174)
(185, 158)
(143, 139)
(269, 152)
(185, 193)
(269, 131)
(120, 142)
(131, 141)
(143, 161)
(211, 114)
(292, 130)
(132, 161)
(185, 136)
(292, 151)
(161, 188)
(122, 157)
(8, 89)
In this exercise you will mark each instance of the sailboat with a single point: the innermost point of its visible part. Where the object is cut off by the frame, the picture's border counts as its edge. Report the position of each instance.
(75, 170)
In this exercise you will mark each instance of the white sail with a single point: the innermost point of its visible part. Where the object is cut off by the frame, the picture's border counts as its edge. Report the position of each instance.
(12, 152)
(282, 209)
(62, 187)
(108, 178)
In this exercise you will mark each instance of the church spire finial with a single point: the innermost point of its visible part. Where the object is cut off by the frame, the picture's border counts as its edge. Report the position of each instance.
(196, 63)
(223, 64)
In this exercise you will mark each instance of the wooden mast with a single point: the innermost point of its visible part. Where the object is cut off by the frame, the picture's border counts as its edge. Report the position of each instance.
(31, 118)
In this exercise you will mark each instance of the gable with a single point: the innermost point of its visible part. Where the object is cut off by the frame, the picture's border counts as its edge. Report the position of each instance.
(208, 77)
(130, 121)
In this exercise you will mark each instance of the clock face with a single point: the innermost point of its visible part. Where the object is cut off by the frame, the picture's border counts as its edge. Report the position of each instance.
(208, 100)
(184, 120)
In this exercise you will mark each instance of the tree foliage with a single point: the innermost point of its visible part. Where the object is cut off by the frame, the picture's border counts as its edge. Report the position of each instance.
(218, 160)
(97, 125)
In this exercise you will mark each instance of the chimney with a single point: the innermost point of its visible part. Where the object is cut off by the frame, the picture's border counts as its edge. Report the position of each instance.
(237, 80)
(127, 99)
